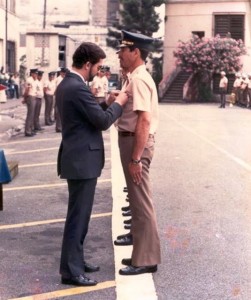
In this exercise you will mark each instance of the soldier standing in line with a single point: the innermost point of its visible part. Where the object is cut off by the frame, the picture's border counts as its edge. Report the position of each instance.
(49, 91)
(99, 85)
(38, 101)
(223, 89)
(30, 94)
(244, 90)
(249, 91)
(236, 87)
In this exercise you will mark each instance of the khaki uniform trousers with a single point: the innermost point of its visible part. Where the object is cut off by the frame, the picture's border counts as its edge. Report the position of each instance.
(29, 122)
(146, 243)
(37, 110)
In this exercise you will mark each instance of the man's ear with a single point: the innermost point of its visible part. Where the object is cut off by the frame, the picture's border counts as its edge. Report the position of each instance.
(88, 65)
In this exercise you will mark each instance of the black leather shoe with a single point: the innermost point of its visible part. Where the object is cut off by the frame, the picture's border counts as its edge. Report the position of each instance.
(90, 268)
(39, 129)
(125, 208)
(119, 237)
(126, 261)
(125, 241)
(131, 270)
(129, 221)
(80, 280)
(127, 213)
(29, 134)
(127, 226)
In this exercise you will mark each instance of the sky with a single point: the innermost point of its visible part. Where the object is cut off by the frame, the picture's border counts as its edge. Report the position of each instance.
(63, 11)
(56, 10)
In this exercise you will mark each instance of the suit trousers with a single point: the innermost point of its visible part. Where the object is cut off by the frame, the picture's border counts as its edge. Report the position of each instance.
(29, 122)
(146, 243)
(81, 197)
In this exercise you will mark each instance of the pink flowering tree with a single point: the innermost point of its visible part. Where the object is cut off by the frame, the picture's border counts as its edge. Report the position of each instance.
(208, 56)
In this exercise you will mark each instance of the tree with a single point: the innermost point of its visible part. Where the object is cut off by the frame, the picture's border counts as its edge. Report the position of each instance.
(206, 57)
(139, 16)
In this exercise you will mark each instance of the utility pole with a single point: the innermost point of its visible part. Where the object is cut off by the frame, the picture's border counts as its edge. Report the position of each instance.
(43, 33)
(44, 19)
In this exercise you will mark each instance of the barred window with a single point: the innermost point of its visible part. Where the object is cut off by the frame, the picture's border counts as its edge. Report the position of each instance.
(233, 24)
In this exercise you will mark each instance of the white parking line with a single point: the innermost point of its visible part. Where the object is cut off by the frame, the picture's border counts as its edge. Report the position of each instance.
(234, 158)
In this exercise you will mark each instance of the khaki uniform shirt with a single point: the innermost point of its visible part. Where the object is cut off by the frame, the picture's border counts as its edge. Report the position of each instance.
(50, 87)
(40, 92)
(223, 82)
(144, 98)
(32, 85)
(101, 84)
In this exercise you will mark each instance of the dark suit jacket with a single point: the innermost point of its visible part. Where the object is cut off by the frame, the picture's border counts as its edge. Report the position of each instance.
(81, 153)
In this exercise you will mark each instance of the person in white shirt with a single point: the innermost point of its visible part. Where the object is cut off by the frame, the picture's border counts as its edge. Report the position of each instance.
(236, 87)
(99, 85)
(38, 101)
(244, 90)
(30, 100)
(223, 89)
(49, 91)
(249, 90)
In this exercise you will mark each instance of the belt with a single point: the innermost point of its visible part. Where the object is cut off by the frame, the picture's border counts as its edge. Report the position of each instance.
(128, 133)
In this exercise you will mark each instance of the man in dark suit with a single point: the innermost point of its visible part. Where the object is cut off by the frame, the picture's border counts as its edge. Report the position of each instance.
(81, 155)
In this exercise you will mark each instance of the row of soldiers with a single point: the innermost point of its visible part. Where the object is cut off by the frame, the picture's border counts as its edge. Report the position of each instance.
(35, 90)
(242, 89)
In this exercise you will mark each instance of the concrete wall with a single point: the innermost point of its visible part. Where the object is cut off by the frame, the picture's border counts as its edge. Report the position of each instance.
(12, 35)
(183, 17)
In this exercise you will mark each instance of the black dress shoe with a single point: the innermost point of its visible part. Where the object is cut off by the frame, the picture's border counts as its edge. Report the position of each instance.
(131, 270)
(39, 129)
(125, 208)
(129, 221)
(126, 261)
(128, 226)
(119, 237)
(29, 134)
(127, 213)
(125, 241)
(80, 280)
(90, 268)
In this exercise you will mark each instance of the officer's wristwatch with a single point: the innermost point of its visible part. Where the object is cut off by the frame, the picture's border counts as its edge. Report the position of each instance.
(135, 161)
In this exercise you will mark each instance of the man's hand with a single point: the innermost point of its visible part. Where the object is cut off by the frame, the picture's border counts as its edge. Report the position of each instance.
(135, 171)
(122, 98)
(112, 97)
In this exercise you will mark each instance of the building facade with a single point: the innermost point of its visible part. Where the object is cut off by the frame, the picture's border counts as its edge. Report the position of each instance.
(9, 36)
(206, 19)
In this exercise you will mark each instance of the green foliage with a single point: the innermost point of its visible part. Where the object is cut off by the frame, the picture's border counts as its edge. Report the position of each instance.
(139, 16)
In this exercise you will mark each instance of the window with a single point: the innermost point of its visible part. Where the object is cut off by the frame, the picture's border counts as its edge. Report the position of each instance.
(200, 34)
(233, 24)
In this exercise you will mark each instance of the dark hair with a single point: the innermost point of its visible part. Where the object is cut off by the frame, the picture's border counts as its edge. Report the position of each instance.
(87, 52)
(143, 53)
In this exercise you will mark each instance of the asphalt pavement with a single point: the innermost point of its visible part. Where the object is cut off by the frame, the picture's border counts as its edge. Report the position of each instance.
(201, 186)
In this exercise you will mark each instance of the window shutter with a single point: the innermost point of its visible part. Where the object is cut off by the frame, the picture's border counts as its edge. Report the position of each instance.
(230, 23)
